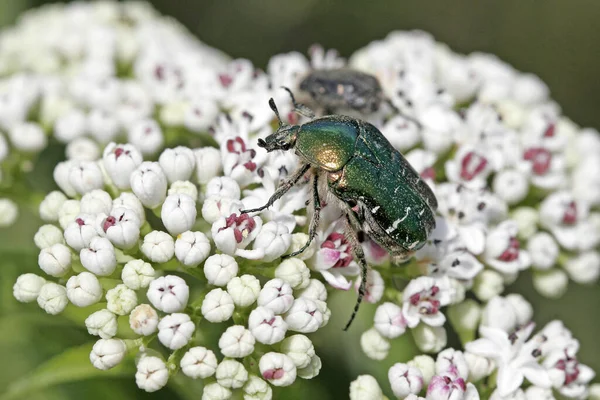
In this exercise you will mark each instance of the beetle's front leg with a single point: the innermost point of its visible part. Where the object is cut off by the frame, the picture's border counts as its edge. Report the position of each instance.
(314, 223)
(282, 189)
(359, 255)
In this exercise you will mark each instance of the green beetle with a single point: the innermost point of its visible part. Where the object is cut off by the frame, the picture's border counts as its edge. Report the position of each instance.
(380, 192)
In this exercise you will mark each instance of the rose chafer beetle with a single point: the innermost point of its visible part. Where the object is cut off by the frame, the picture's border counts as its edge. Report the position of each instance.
(378, 190)
(343, 88)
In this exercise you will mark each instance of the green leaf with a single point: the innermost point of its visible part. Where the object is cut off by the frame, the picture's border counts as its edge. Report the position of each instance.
(70, 366)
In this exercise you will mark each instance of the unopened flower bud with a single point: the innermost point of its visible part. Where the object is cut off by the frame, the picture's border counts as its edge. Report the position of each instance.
(146, 135)
(405, 380)
(299, 348)
(276, 295)
(208, 164)
(99, 257)
(551, 283)
(47, 236)
(143, 320)
(102, 323)
(236, 342)
(27, 287)
(149, 183)
(304, 316)
(55, 260)
(84, 289)
(191, 248)
(266, 327)
(137, 274)
(175, 330)
(365, 387)
(178, 163)
(158, 246)
(214, 391)
(488, 284)
(219, 269)
(257, 389)
(217, 306)
(426, 365)
(178, 213)
(168, 293)
(107, 353)
(121, 299)
(152, 374)
(96, 202)
(278, 369)
(231, 374)
(223, 186)
(199, 362)
(375, 346)
(51, 204)
(429, 339)
(295, 272)
(584, 268)
(53, 298)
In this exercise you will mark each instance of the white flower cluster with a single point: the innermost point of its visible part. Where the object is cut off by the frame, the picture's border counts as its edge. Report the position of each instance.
(515, 182)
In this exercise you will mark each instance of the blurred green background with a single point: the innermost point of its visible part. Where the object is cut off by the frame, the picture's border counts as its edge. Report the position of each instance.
(558, 40)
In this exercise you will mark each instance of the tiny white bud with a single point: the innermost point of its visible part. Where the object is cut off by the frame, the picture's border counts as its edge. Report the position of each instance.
(375, 346)
(231, 374)
(178, 163)
(149, 183)
(146, 135)
(175, 330)
(278, 369)
(244, 290)
(426, 365)
(465, 316)
(168, 293)
(274, 239)
(522, 308)
(137, 274)
(130, 201)
(217, 306)
(191, 248)
(70, 125)
(200, 114)
(488, 284)
(102, 125)
(120, 160)
(543, 250)
(27, 137)
(199, 362)
(152, 374)
(450, 361)
(107, 353)
(405, 380)
(304, 316)
(55, 260)
(236, 342)
(429, 339)
(27, 287)
(85, 176)
(184, 187)
(102, 323)
(527, 219)
(511, 185)
(9, 212)
(208, 163)
(82, 149)
(51, 204)
(47, 236)
(276, 295)
(223, 186)
(551, 283)
(79, 233)
(61, 177)
(365, 387)
(266, 327)
(99, 257)
(312, 369)
(257, 389)
(389, 320)
(121, 227)
(219, 269)
(121, 300)
(143, 320)
(178, 213)
(158, 246)
(584, 268)
(295, 272)
(299, 239)
(214, 391)
(84, 289)
(96, 202)
(479, 367)
(315, 290)
(299, 348)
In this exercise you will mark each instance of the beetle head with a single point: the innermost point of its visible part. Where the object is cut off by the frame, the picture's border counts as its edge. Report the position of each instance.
(284, 138)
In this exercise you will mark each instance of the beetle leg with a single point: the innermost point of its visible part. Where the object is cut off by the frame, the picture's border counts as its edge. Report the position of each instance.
(300, 108)
(282, 189)
(314, 223)
(362, 261)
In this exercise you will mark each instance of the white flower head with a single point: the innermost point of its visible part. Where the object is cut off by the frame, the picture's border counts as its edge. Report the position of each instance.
(217, 306)
(278, 369)
(143, 320)
(152, 373)
(178, 213)
(158, 246)
(276, 295)
(199, 362)
(266, 327)
(84, 289)
(102, 323)
(175, 330)
(168, 293)
(107, 353)
(191, 248)
(27, 287)
(149, 183)
(219, 269)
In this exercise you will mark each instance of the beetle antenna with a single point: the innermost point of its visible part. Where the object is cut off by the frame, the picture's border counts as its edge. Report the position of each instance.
(300, 108)
(274, 108)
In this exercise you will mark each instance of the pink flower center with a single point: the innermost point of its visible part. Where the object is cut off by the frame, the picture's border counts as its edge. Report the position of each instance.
(550, 130)
(338, 241)
(80, 222)
(512, 251)
(275, 373)
(237, 146)
(541, 159)
(472, 165)
(570, 366)
(426, 301)
(242, 226)
(570, 214)
(226, 80)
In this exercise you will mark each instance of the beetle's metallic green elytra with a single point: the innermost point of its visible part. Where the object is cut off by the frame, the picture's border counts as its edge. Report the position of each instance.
(343, 88)
(381, 193)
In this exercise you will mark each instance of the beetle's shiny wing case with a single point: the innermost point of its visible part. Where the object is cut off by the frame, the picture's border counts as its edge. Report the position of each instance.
(396, 206)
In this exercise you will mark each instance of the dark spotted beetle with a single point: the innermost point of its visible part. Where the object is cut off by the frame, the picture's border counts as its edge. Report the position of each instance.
(379, 191)
(343, 89)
